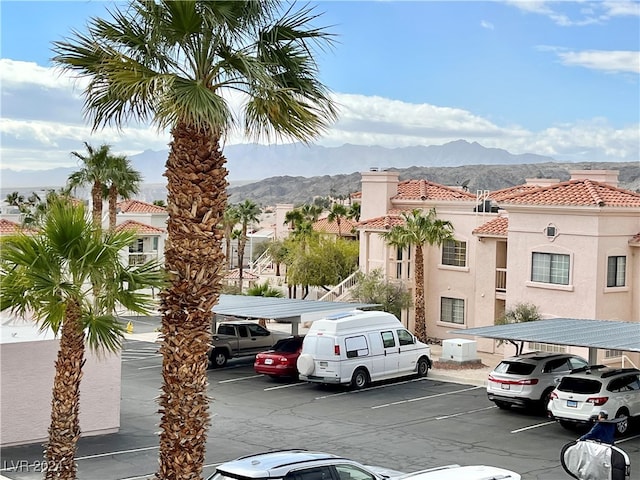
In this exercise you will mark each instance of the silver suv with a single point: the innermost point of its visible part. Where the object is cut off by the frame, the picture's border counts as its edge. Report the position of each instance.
(579, 397)
(299, 465)
(528, 380)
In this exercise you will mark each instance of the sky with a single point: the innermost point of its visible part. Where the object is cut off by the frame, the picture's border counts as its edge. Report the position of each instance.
(560, 79)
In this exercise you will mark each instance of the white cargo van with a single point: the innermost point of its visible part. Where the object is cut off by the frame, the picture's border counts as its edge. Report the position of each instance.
(360, 347)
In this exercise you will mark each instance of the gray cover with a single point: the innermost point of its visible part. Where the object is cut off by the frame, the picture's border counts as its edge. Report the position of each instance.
(595, 461)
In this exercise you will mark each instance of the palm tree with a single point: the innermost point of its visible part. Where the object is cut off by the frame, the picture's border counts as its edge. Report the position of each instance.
(48, 276)
(248, 212)
(293, 218)
(175, 64)
(93, 171)
(14, 199)
(417, 230)
(336, 214)
(229, 220)
(122, 181)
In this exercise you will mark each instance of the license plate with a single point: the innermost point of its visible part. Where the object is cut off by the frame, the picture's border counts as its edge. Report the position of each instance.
(572, 403)
(268, 361)
(505, 386)
(324, 364)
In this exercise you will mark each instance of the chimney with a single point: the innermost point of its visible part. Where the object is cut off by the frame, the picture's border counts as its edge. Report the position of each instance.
(609, 177)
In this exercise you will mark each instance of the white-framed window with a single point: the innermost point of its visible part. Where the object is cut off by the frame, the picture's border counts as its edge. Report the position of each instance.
(452, 310)
(454, 253)
(403, 263)
(616, 271)
(550, 268)
(612, 354)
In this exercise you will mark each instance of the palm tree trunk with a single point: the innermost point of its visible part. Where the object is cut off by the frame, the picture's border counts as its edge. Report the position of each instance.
(96, 199)
(64, 430)
(113, 201)
(420, 319)
(196, 202)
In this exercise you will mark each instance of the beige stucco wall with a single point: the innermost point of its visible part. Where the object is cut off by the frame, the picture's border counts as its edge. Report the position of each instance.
(26, 379)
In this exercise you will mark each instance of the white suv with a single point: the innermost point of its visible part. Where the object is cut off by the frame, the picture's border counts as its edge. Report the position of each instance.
(579, 397)
(528, 380)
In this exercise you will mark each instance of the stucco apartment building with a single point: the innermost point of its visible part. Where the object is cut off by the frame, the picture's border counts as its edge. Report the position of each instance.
(571, 248)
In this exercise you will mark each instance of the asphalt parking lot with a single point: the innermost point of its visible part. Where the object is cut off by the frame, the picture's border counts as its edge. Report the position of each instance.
(405, 425)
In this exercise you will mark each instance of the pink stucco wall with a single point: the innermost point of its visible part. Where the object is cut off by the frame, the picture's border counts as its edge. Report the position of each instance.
(26, 378)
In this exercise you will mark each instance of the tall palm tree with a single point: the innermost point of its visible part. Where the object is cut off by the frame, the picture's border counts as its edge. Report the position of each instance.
(174, 63)
(293, 218)
(122, 181)
(248, 213)
(229, 220)
(336, 214)
(15, 199)
(94, 167)
(49, 276)
(417, 230)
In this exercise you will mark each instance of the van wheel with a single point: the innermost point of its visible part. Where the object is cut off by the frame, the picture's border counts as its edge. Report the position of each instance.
(218, 358)
(360, 379)
(423, 367)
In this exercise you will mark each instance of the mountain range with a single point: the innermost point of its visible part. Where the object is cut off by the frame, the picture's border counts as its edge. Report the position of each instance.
(251, 162)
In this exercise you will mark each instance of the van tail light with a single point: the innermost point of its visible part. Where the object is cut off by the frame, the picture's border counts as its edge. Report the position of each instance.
(336, 350)
(597, 401)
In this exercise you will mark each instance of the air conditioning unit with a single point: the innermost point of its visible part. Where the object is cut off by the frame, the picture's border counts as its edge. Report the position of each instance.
(459, 350)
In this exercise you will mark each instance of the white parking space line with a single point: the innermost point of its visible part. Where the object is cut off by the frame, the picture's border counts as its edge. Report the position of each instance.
(238, 379)
(627, 439)
(288, 385)
(351, 392)
(530, 427)
(465, 413)
(426, 398)
(121, 452)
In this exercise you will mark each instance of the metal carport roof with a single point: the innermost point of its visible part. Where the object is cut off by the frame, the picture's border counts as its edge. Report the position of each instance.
(607, 334)
(273, 308)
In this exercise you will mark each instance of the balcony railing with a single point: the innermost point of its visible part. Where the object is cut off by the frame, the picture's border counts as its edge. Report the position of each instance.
(140, 258)
(501, 280)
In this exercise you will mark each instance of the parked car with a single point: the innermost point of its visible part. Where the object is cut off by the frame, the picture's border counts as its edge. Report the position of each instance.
(280, 361)
(299, 465)
(580, 396)
(527, 380)
(456, 472)
(356, 348)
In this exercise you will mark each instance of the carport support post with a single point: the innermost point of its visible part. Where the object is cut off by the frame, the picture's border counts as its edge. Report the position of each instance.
(593, 356)
(294, 327)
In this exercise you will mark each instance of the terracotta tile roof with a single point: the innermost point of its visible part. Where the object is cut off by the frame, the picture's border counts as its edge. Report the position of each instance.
(139, 228)
(493, 228)
(582, 192)
(356, 195)
(324, 225)
(499, 195)
(246, 275)
(136, 206)
(425, 190)
(382, 223)
(7, 227)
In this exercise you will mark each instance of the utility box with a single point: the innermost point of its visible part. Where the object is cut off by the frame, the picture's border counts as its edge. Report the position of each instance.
(459, 350)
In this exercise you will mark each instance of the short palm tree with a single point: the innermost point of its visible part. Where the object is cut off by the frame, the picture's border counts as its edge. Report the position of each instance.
(122, 181)
(175, 64)
(94, 167)
(48, 276)
(248, 213)
(229, 220)
(336, 214)
(417, 230)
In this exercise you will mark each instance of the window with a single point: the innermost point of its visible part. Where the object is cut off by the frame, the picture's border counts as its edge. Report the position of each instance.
(452, 310)
(258, 331)
(351, 472)
(454, 252)
(155, 243)
(612, 353)
(547, 347)
(616, 271)
(388, 340)
(550, 268)
(405, 338)
(356, 346)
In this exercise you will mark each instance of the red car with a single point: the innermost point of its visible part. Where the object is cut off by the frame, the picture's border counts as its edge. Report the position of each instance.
(281, 360)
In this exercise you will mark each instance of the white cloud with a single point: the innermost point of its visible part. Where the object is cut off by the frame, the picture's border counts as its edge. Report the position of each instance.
(487, 25)
(610, 61)
(588, 13)
(42, 138)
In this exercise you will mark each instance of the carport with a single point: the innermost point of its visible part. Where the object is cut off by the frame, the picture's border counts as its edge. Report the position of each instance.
(280, 309)
(577, 332)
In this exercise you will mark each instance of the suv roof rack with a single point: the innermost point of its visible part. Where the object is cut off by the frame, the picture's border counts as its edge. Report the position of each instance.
(617, 371)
